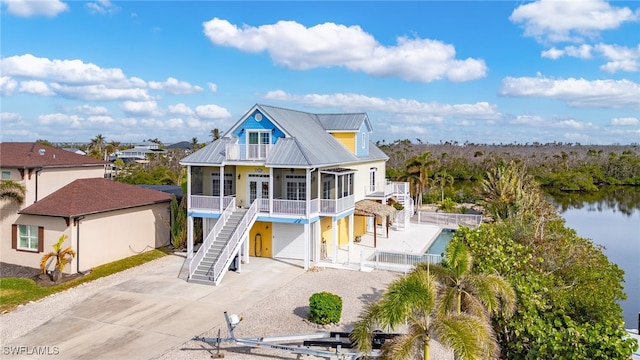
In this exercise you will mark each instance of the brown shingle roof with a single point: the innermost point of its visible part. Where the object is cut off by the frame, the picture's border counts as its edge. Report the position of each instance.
(90, 196)
(31, 155)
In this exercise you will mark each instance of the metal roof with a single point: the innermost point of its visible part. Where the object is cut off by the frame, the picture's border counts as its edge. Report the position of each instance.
(213, 153)
(343, 122)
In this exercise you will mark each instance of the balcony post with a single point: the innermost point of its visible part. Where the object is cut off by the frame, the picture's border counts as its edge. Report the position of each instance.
(221, 189)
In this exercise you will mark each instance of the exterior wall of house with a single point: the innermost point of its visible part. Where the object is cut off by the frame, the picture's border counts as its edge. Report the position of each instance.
(326, 231)
(260, 239)
(359, 225)
(361, 178)
(104, 237)
(115, 235)
(251, 123)
(348, 139)
(343, 231)
(53, 229)
(50, 180)
(362, 140)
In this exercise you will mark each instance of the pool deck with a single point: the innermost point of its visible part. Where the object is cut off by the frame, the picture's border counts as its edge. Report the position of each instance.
(415, 239)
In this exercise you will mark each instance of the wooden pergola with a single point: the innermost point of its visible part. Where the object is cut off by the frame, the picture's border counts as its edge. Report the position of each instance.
(374, 209)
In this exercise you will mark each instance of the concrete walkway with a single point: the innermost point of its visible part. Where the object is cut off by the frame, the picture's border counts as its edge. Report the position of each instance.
(144, 317)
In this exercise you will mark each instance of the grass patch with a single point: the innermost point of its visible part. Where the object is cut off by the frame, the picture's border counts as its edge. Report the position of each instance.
(17, 291)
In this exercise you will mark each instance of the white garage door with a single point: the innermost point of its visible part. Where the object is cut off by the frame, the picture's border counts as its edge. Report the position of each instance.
(288, 241)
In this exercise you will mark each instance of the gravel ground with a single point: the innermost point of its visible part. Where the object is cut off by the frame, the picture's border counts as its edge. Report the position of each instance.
(282, 312)
(11, 270)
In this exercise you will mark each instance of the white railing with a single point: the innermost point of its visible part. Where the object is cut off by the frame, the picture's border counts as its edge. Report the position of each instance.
(247, 151)
(449, 220)
(206, 244)
(226, 255)
(400, 261)
(400, 187)
(314, 207)
(263, 205)
(291, 207)
(334, 206)
(385, 189)
(208, 202)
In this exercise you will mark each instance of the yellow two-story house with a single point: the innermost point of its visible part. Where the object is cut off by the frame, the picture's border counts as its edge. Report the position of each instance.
(283, 184)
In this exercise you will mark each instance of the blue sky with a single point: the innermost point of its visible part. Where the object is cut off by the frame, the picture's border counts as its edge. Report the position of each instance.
(477, 71)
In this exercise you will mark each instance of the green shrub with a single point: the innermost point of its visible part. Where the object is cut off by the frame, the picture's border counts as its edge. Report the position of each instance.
(447, 205)
(325, 308)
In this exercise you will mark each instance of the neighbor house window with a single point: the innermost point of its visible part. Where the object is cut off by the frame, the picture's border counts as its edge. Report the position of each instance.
(364, 140)
(27, 237)
(6, 175)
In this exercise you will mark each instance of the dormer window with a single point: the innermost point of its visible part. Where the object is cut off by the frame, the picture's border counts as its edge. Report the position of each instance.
(258, 144)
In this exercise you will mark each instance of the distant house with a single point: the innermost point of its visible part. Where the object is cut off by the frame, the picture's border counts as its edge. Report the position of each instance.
(67, 193)
(139, 153)
(75, 151)
(186, 146)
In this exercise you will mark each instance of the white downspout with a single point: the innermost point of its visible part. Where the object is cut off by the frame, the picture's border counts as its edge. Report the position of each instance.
(189, 218)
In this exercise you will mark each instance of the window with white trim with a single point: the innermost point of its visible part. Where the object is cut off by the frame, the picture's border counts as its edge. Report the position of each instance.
(27, 237)
(364, 139)
(6, 175)
(215, 186)
(296, 187)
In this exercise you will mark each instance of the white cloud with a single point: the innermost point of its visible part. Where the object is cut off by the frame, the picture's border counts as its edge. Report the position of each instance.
(572, 21)
(213, 87)
(63, 119)
(147, 108)
(90, 110)
(571, 123)
(180, 109)
(625, 121)
(10, 116)
(174, 123)
(28, 8)
(575, 92)
(212, 112)
(619, 58)
(35, 87)
(357, 102)
(297, 47)
(533, 120)
(7, 85)
(174, 86)
(99, 92)
(102, 7)
(103, 119)
(65, 71)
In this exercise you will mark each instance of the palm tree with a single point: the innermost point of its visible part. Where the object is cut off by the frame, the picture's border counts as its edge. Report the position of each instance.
(413, 300)
(12, 191)
(477, 295)
(417, 173)
(215, 134)
(442, 179)
(62, 258)
(96, 147)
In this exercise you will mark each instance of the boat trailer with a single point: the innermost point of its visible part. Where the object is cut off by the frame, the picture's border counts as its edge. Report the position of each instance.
(334, 340)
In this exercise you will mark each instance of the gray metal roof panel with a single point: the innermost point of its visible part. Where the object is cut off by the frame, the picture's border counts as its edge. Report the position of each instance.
(342, 122)
(318, 146)
(213, 153)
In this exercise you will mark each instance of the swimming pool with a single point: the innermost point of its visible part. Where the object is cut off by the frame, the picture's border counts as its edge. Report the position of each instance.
(440, 243)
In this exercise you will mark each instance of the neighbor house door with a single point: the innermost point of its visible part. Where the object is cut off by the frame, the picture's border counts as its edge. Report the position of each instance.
(259, 189)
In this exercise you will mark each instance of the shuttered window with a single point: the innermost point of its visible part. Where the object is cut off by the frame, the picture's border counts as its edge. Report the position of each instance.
(27, 237)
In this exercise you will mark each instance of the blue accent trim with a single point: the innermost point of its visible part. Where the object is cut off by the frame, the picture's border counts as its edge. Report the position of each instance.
(345, 214)
(203, 215)
(282, 220)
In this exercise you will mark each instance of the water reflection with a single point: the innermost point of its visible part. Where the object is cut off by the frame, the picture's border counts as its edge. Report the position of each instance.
(624, 199)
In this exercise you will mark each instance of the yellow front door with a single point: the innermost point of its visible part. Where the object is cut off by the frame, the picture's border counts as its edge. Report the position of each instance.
(260, 239)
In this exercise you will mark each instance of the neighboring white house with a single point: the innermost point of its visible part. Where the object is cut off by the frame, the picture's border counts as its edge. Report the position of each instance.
(285, 184)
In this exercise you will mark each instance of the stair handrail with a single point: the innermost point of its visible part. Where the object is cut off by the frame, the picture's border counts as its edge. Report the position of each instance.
(221, 264)
(206, 244)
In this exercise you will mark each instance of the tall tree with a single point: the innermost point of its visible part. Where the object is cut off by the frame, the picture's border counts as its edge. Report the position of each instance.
(417, 173)
(412, 300)
(96, 147)
(442, 179)
(215, 134)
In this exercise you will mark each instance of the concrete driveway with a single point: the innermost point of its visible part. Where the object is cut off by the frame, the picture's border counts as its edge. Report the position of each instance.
(144, 317)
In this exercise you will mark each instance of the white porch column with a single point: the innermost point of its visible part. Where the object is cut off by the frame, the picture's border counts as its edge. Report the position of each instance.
(270, 191)
(189, 237)
(350, 233)
(189, 218)
(309, 238)
(318, 241)
(334, 235)
(221, 189)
